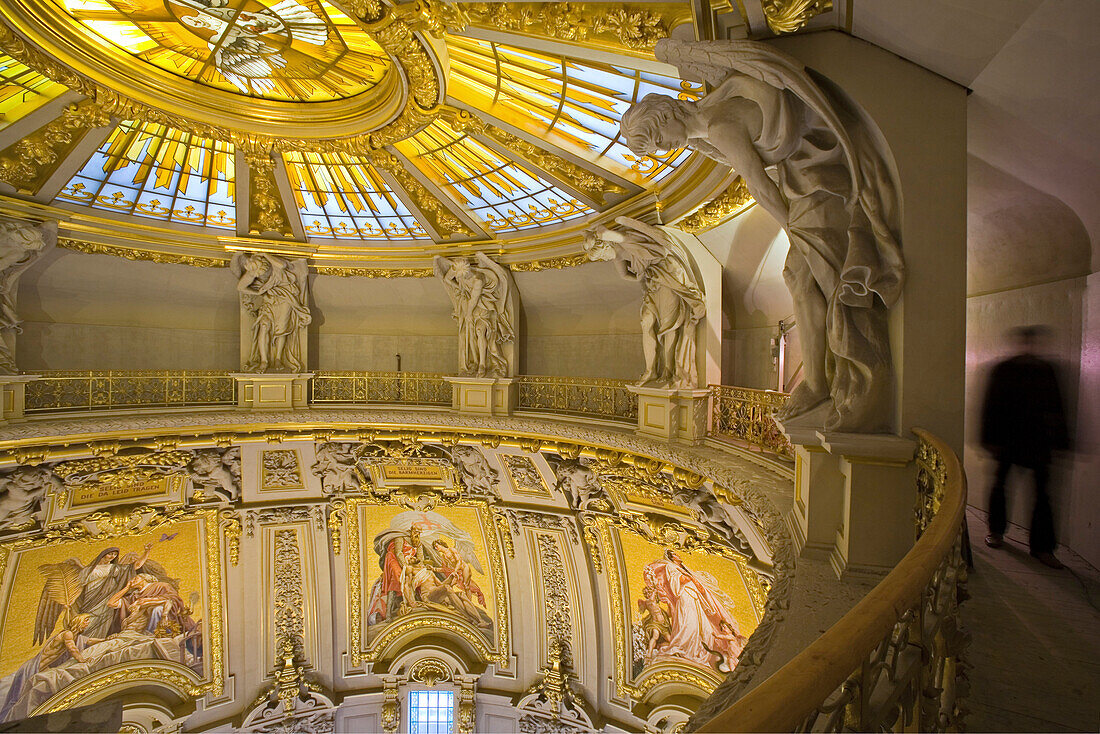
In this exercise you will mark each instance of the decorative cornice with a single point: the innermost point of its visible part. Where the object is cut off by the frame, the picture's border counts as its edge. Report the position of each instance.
(635, 27)
(726, 205)
(374, 272)
(93, 248)
(552, 263)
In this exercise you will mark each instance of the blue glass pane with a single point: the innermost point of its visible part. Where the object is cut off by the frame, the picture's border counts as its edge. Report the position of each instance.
(431, 712)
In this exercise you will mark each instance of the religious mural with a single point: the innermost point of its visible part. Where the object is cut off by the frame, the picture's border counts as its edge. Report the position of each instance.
(691, 610)
(76, 608)
(428, 563)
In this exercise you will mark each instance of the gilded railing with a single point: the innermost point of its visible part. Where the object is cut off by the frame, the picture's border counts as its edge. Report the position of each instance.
(578, 396)
(894, 662)
(414, 388)
(106, 389)
(745, 414)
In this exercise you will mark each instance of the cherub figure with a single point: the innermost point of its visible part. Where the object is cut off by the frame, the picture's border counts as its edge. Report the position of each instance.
(23, 493)
(655, 620)
(336, 465)
(217, 471)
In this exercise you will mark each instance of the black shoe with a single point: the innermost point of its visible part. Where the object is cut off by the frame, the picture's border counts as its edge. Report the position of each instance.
(994, 541)
(1048, 559)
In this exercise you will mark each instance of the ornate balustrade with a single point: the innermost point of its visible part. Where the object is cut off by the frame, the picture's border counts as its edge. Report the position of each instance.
(119, 389)
(893, 663)
(573, 396)
(739, 413)
(357, 388)
(745, 414)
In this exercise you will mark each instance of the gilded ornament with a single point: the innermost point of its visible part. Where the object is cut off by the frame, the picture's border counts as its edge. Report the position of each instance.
(788, 16)
(731, 202)
(231, 528)
(501, 521)
(93, 248)
(289, 595)
(430, 671)
(374, 272)
(27, 164)
(632, 27)
(266, 212)
(337, 516)
(391, 708)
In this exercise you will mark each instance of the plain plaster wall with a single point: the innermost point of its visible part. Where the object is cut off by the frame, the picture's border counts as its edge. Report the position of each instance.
(100, 312)
(922, 116)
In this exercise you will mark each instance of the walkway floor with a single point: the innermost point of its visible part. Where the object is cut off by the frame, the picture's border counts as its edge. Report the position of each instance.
(1035, 639)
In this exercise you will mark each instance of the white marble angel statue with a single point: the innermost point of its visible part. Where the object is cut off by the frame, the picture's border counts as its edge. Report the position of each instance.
(275, 292)
(817, 164)
(21, 244)
(672, 305)
(480, 293)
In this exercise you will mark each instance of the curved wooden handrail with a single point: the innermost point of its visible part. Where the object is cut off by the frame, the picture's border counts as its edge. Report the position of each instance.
(785, 700)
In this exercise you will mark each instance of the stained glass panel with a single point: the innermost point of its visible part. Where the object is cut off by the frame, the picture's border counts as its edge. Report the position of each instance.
(156, 171)
(22, 90)
(579, 103)
(344, 197)
(503, 193)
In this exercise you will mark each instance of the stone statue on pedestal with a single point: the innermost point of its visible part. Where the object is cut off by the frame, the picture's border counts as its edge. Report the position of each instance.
(817, 164)
(480, 291)
(672, 305)
(275, 306)
(21, 244)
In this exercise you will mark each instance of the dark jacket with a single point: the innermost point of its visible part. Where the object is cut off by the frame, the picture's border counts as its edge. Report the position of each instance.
(1023, 419)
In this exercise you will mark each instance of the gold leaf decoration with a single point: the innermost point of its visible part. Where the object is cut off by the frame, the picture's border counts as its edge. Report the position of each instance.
(730, 202)
(787, 16)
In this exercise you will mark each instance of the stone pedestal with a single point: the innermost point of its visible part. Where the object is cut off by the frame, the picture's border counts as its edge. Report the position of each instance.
(483, 395)
(815, 514)
(13, 398)
(854, 495)
(272, 391)
(880, 490)
(672, 414)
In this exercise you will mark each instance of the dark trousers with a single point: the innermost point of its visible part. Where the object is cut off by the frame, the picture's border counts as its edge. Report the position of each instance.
(1041, 538)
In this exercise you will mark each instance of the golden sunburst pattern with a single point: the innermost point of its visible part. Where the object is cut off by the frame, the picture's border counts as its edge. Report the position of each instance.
(296, 50)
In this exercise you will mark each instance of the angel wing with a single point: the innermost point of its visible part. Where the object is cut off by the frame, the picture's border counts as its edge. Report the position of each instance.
(672, 246)
(716, 61)
(59, 593)
(245, 56)
(500, 285)
(443, 267)
(300, 270)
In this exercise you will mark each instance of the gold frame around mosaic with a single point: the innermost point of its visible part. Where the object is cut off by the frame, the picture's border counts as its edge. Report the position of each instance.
(361, 653)
(625, 684)
(170, 675)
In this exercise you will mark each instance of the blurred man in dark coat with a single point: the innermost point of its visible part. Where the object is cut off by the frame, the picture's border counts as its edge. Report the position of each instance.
(1023, 422)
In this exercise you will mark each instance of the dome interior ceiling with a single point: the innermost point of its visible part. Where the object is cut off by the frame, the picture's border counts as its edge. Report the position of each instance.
(523, 136)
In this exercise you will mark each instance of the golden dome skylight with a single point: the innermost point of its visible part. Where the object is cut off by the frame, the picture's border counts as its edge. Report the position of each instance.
(297, 50)
(355, 127)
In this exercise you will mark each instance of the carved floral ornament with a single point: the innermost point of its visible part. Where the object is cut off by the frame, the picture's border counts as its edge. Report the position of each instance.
(590, 505)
